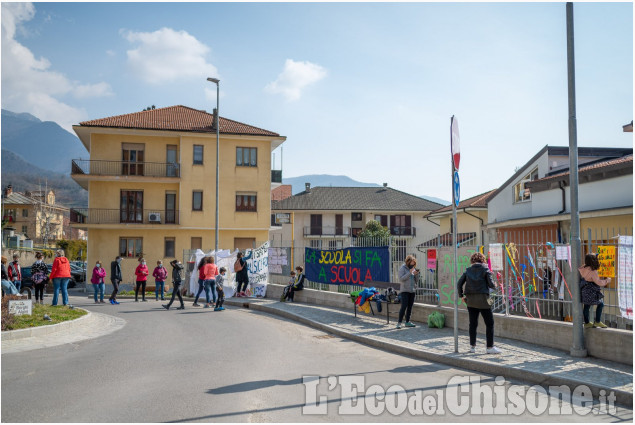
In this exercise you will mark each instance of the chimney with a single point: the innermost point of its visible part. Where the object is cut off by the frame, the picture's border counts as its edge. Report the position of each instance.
(8, 191)
(307, 187)
(385, 184)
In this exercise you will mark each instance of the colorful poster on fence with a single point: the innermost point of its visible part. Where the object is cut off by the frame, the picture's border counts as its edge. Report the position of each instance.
(445, 271)
(432, 259)
(347, 266)
(625, 276)
(606, 257)
(496, 256)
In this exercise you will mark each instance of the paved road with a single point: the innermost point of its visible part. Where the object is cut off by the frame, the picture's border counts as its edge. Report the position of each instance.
(205, 366)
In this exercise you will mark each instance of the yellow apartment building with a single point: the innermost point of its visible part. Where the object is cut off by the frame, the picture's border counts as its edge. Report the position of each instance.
(151, 181)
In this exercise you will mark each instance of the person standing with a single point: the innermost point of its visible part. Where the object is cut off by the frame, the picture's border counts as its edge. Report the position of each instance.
(99, 273)
(177, 278)
(210, 271)
(590, 292)
(15, 272)
(219, 288)
(408, 275)
(478, 281)
(201, 281)
(141, 273)
(242, 274)
(160, 274)
(39, 276)
(60, 275)
(115, 279)
(298, 284)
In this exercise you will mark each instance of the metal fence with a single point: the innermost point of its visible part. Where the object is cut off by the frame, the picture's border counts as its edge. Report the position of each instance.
(533, 283)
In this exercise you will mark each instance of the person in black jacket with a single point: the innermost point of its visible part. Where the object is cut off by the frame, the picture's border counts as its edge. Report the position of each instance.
(115, 278)
(177, 278)
(39, 276)
(473, 288)
(298, 285)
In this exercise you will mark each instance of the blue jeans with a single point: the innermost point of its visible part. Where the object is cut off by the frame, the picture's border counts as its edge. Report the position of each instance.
(159, 284)
(60, 282)
(210, 285)
(17, 284)
(99, 287)
(9, 288)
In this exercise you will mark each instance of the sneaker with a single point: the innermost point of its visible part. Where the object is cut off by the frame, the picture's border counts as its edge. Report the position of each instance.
(180, 308)
(399, 325)
(410, 325)
(165, 306)
(472, 349)
(237, 295)
(206, 306)
(102, 301)
(216, 308)
(493, 350)
(112, 302)
(588, 325)
(195, 305)
(96, 302)
(136, 301)
(144, 301)
(243, 294)
(116, 302)
(221, 308)
(599, 325)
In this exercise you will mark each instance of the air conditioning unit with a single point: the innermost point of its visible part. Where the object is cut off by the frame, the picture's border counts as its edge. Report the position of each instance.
(154, 217)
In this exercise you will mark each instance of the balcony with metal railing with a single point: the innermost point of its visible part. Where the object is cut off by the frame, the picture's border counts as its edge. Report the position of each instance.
(83, 170)
(91, 216)
(403, 231)
(326, 231)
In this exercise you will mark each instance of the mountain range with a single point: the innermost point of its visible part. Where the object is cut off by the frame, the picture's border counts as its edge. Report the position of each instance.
(36, 152)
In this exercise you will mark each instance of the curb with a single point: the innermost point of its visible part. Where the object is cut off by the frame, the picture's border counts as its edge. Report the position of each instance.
(46, 329)
(623, 397)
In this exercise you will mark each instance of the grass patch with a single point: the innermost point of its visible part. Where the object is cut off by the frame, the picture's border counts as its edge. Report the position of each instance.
(58, 314)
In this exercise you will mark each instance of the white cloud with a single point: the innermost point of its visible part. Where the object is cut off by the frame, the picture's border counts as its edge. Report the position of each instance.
(294, 78)
(28, 83)
(167, 55)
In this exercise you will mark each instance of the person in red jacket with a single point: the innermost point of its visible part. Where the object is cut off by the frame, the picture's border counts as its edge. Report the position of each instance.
(142, 276)
(99, 273)
(60, 275)
(15, 272)
(160, 273)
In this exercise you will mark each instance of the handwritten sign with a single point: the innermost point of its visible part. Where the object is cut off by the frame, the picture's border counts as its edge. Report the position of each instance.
(432, 259)
(625, 276)
(278, 260)
(496, 256)
(562, 252)
(258, 264)
(606, 257)
(20, 307)
(446, 272)
(347, 266)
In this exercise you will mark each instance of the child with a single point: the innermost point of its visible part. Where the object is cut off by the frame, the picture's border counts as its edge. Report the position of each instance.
(159, 274)
(219, 288)
(287, 288)
(590, 292)
(298, 283)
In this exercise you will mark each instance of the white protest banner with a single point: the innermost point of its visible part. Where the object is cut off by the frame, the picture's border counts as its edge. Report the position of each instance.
(224, 258)
(496, 256)
(258, 269)
(625, 275)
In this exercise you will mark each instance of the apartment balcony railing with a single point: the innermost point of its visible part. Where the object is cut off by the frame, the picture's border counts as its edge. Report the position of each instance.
(112, 216)
(403, 231)
(276, 176)
(125, 168)
(327, 231)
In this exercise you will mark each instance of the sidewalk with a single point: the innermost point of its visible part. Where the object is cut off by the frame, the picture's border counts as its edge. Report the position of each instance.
(519, 360)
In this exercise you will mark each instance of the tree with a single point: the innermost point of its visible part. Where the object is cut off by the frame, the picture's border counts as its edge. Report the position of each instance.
(374, 229)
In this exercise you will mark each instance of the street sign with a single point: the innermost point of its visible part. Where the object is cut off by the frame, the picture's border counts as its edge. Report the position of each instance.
(282, 218)
(457, 188)
(455, 141)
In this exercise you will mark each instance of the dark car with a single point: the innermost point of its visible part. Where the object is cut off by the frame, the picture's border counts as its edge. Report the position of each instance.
(27, 282)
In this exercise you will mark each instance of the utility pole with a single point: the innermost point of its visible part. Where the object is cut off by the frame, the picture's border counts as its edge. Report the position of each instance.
(578, 349)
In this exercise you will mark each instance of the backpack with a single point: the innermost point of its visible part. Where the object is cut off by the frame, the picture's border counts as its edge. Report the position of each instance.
(238, 266)
(38, 277)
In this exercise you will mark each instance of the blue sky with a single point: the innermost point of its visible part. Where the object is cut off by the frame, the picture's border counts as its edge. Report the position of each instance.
(360, 89)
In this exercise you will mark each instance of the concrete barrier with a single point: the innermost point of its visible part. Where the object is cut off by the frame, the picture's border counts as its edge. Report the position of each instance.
(609, 344)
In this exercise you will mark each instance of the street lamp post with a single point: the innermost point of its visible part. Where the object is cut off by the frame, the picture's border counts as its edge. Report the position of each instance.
(217, 123)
